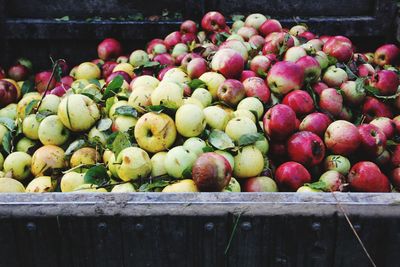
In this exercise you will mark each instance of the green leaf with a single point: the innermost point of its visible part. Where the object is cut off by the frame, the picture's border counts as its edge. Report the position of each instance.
(96, 175)
(6, 142)
(151, 64)
(208, 149)
(332, 60)
(349, 72)
(74, 146)
(147, 187)
(95, 82)
(371, 89)
(109, 102)
(196, 83)
(104, 124)
(113, 87)
(249, 139)
(237, 17)
(8, 123)
(92, 93)
(65, 18)
(42, 114)
(31, 106)
(120, 142)
(220, 140)
(319, 185)
(392, 143)
(126, 111)
(156, 108)
(187, 173)
(27, 86)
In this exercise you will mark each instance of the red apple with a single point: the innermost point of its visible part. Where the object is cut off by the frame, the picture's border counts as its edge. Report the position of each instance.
(196, 67)
(188, 38)
(188, 26)
(353, 95)
(386, 81)
(108, 68)
(373, 108)
(18, 72)
(269, 26)
(383, 159)
(247, 74)
(67, 80)
(311, 68)
(42, 80)
(211, 172)
(256, 41)
(59, 90)
(307, 35)
(388, 54)
(164, 59)
(247, 32)
(316, 123)
(366, 70)
(278, 151)
(386, 125)
(395, 178)
(162, 72)
(109, 49)
(291, 175)
(331, 101)
(260, 65)
(396, 121)
(300, 101)
(306, 148)
(373, 140)
(365, 176)
(155, 45)
(213, 21)
(2, 73)
(284, 77)
(172, 39)
(339, 47)
(319, 87)
(259, 184)
(342, 137)
(121, 73)
(8, 93)
(396, 156)
(279, 122)
(231, 92)
(228, 62)
(187, 58)
(255, 86)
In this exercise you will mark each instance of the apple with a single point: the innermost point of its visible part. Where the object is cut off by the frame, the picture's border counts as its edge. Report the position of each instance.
(395, 178)
(2, 73)
(90, 188)
(46, 159)
(9, 185)
(247, 74)
(8, 93)
(337, 163)
(30, 127)
(307, 189)
(123, 123)
(179, 51)
(260, 65)
(190, 120)
(383, 159)
(366, 176)
(331, 101)
(127, 78)
(300, 101)
(373, 140)
(78, 112)
(112, 112)
(18, 164)
(187, 59)
(245, 113)
(213, 21)
(203, 95)
(195, 145)
(252, 104)
(233, 186)
(249, 162)
(138, 58)
(181, 186)
(396, 121)
(313, 45)
(188, 26)
(9, 111)
(294, 53)
(247, 32)
(290, 176)
(155, 132)
(297, 29)
(26, 145)
(386, 81)
(255, 86)
(140, 98)
(311, 68)
(212, 80)
(95, 136)
(339, 47)
(108, 68)
(196, 67)
(307, 35)
(88, 70)
(333, 180)
(269, 26)
(42, 80)
(126, 67)
(342, 137)
(147, 81)
(123, 188)
(228, 62)
(366, 70)
(374, 108)
(109, 49)
(178, 160)
(134, 164)
(172, 39)
(279, 122)
(240, 126)
(352, 94)
(255, 20)
(257, 42)
(231, 92)
(260, 184)
(216, 117)
(50, 103)
(85, 156)
(41, 184)
(157, 163)
(395, 159)
(334, 77)
(386, 125)
(306, 148)
(169, 94)
(18, 72)
(322, 59)
(51, 131)
(387, 54)
(284, 77)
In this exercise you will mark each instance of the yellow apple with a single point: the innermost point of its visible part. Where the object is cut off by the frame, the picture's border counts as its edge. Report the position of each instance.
(168, 94)
(128, 68)
(240, 126)
(195, 145)
(216, 117)
(86, 156)
(134, 164)
(123, 188)
(157, 163)
(146, 81)
(9, 185)
(47, 158)
(182, 186)
(52, 131)
(24, 102)
(179, 159)
(140, 98)
(176, 75)
(9, 111)
(50, 103)
(19, 164)
(30, 127)
(203, 95)
(213, 80)
(41, 184)
(87, 70)
(190, 120)
(252, 104)
(71, 180)
(249, 162)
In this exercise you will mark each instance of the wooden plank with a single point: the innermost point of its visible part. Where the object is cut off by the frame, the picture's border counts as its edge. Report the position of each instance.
(8, 244)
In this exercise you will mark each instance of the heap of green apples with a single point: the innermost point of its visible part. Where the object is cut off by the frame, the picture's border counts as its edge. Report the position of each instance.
(254, 107)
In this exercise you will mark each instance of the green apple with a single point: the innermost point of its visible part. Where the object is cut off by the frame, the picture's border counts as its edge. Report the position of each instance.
(85, 156)
(213, 80)
(52, 131)
(182, 186)
(155, 132)
(228, 157)
(9, 111)
(3, 131)
(179, 159)
(216, 117)
(47, 158)
(203, 95)
(78, 112)
(252, 104)
(245, 113)
(123, 188)
(112, 163)
(24, 102)
(50, 103)
(41, 184)
(176, 75)
(138, 58)
(9, 185)
(112, 111)
(249, 162)
(195, 145)
(193, 101)
(168, 94)
(240, 126)
(30, 127)
(123, 123)
(88, 70)
(337, 163)
(134, 164)
(233, 186)
(25, 145)
(94, 134)
(140, 98)
(19, 164)
(146, 81)
(190, 120)
(71, 180)
(157, 163)
(262, 145)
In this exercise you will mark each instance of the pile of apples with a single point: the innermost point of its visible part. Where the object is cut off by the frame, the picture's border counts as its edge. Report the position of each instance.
(254, 107)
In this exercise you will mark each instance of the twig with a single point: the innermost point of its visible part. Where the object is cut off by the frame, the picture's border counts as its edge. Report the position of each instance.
(354, 230)
(233, 233)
